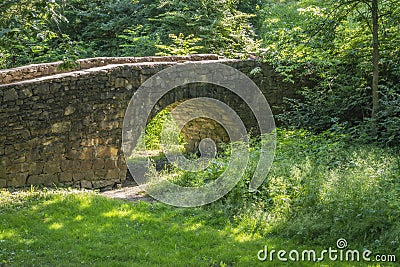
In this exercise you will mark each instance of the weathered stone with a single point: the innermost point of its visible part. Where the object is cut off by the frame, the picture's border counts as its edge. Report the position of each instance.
(10, 95)
(3, 182)
(4, 162)
(51, 167)
(64, 177)
(98, 164)
(110, 164)
(100, 184)
(42, 179)
(83, 175)
(54, 149)
(61, 127)
(73, 154)
(26, 92)
(17, 168)
(41, 89)
(17, 180)
(3, 173)
(35, 167)
(69, 110)
(69, 165)
(100, 174)
(112, 174)
(106, 152)
(121, 82)
(86, 184)
(20, 159)
(92, 142)
(85, 165)
(86, 153)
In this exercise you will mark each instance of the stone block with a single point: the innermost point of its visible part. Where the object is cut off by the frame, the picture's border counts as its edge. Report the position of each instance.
(17, 180)
(69, 110)
(10, 95)
(101, 184)
(35, 168)
(85, 165)
(42, 179)
(110, 164)
(98, 164)
(9, 149)
(86, 184)
(3, 183)
(65, 177)
(68, 165)
(3, 173)
(106, 152)
(41, 89)
(86, 153)
(25, 93)
(20, 159)
(61, 127)
(51, 167)
(91, 142)
(83, 175)
(4, 162)
(20, 167)
(120, 82)
(100, 174)
(112, 174)
(73, 154)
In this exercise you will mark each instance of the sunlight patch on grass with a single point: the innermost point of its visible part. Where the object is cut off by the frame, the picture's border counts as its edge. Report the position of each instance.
(50, 201)
(85, 203)
(244, 238)
(117, 213)
(9, 234)
(56, 226)
(78, 218)
(194, 226)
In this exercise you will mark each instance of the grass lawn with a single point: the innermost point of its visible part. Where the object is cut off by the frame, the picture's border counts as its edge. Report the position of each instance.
(60, 228)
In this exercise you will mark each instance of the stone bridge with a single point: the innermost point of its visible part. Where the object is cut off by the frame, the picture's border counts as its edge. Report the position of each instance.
(64, 127)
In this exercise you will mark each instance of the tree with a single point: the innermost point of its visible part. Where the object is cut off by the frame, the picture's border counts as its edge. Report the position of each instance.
(28, 29)
(350, 49)
(344, 8)
(375, 58)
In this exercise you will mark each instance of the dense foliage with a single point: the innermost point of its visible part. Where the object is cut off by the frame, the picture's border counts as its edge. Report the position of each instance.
(326, 42)
(41, 30)
(330, 42)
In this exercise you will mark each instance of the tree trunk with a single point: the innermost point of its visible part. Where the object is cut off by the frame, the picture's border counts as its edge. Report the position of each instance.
(375, 58)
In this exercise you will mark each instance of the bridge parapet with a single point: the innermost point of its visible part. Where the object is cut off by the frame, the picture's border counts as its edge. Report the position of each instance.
(46, 69)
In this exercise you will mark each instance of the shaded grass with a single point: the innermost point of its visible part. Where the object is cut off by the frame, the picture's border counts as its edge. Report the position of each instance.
(53, 229)
(46, 228)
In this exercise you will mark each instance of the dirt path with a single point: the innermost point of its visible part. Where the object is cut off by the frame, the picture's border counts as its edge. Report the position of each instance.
(128, 193)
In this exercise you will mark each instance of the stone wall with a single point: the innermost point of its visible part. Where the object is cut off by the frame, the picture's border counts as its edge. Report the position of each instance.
(45, 69)
(65, 129)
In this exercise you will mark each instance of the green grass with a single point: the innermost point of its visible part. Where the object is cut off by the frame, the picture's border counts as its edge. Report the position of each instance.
(46, 228)
(319, 189)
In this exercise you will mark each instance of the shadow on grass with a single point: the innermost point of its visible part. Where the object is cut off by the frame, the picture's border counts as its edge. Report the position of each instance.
(87, 229)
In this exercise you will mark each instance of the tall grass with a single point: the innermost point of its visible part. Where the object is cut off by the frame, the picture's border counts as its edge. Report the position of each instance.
(319, 189)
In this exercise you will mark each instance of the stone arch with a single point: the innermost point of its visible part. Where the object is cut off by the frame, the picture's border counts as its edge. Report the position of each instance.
(201, 128)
